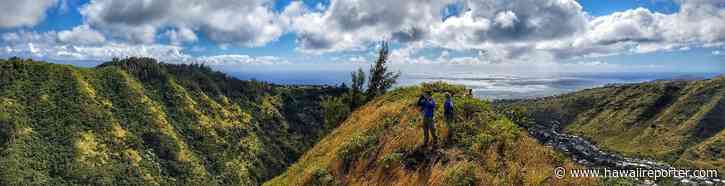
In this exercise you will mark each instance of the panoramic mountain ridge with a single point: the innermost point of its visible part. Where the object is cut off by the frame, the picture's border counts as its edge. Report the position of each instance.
(139, 122)
(679, 122)
(380, 144)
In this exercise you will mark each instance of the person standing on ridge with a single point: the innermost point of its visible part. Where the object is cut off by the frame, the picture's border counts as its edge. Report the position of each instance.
(448, 114)
(421, 101)
(429, 106)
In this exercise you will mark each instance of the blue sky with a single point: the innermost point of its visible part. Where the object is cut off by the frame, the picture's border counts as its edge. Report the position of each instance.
(601, 8)
(589, 35)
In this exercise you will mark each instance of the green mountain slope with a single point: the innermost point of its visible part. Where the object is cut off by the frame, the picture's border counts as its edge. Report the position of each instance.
(380, 144)
(680, 122)
(137, 121)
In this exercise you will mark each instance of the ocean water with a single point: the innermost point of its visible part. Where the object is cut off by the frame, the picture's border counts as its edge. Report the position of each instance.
(488, 85)
(507, 86)
(487, 81)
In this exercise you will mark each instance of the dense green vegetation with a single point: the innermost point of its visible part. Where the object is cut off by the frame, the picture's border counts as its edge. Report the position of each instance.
(680, 122)
(139, 122)
(380, 144)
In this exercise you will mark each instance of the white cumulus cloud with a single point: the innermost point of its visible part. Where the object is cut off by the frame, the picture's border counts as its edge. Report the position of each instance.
(354, 24)
(83, 35)
(17, 13)
(245, 22)
(239, 60)
(497, 31)
(181, 35)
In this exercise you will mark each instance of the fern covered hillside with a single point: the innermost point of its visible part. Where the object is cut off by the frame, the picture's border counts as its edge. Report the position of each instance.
(140, 122)
(680, 122)
(381, 144)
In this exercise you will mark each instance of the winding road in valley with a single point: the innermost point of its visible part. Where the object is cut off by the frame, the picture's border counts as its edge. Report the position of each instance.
(586, 153)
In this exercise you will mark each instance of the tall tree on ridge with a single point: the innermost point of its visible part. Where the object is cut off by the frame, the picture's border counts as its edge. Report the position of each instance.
(357, 96)
(381, 79)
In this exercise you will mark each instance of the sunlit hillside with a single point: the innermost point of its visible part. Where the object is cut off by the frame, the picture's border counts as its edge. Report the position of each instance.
(380, 144)
(139, 122)
(680, 122)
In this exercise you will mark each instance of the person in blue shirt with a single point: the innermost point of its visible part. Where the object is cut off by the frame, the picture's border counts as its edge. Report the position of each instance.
(429, 106)
(449, 116)
(421, 101)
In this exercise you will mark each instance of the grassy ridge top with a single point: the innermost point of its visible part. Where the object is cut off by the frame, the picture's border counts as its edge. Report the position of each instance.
(680, 122)
(379, 144)
(140, 122)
